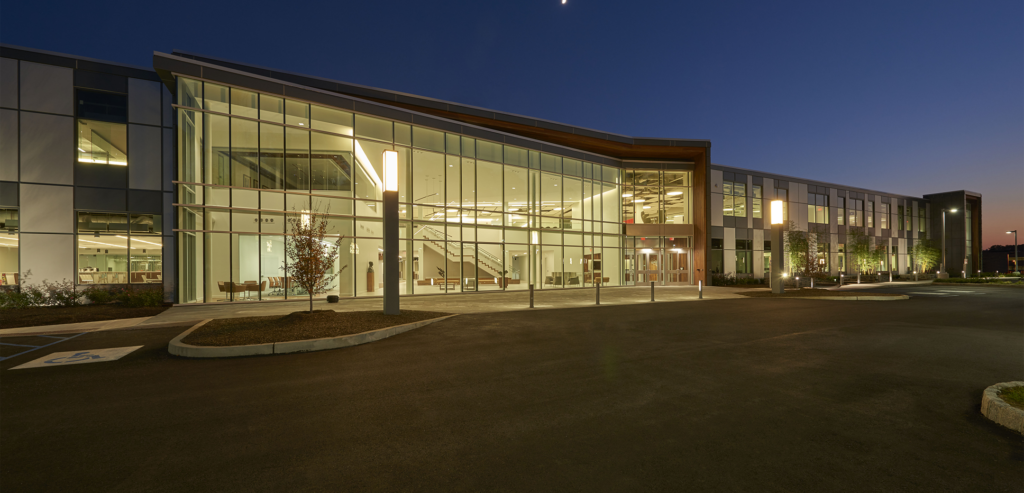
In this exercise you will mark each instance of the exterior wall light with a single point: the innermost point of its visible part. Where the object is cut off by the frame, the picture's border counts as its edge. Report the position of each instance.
(391, 171)
(777, 206)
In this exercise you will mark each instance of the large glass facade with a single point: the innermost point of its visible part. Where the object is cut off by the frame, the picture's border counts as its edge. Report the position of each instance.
(119, 248)
(474, 215)
(9, 247)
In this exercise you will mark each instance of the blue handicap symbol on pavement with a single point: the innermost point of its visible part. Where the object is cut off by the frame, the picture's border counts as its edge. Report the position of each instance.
(74, 358)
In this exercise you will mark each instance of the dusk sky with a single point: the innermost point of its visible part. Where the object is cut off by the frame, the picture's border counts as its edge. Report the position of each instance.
(904, 97)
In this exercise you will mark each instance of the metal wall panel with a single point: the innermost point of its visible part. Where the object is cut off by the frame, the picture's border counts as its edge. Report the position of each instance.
(47, 148)
(47, 88)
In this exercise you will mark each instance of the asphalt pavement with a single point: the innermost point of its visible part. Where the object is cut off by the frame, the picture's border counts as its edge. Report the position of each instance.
(712, 395)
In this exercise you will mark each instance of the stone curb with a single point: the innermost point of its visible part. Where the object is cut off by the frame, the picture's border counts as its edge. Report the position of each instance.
(178, 348)
(996, 409)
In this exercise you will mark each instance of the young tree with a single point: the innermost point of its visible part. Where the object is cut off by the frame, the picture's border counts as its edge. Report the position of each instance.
(797, 245)
(310, 256)
(858, 249)
(925, 255)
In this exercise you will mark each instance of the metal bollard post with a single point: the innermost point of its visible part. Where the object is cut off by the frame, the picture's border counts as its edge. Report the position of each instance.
(840, 280)
(652, 290)
(598, 293)
(700, 290)
(812, 283)
(531, 296)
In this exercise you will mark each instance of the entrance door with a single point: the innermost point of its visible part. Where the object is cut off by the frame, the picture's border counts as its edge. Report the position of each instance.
(677, 266)
(648, 265)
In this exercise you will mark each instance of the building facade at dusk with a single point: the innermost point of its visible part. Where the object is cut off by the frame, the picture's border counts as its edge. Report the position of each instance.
(183, 176)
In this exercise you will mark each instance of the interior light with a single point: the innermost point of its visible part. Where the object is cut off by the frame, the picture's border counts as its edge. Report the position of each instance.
(639, 200)
(558, 208)
(627, 195)
(513, 209)
(647, 207)
(674, 193)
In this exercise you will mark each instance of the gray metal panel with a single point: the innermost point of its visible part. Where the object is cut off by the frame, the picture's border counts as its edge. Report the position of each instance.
(8, 83)
(46, 208)
(101, 175)
(101, 199)
(166, 109)
(9, 145)
(100, 81)
(47, 88)
(50, 257)
(145, 167)
(9, 193)
(47, 148)
(169, 164)
(144, 102)
(382, 111)
(146, 201)
(234, 79)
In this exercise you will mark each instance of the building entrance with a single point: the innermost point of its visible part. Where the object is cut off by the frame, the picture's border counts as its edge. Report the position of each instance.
(664, 261)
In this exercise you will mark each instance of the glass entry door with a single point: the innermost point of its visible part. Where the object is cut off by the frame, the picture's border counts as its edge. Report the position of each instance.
(677, 266)
(648, 265)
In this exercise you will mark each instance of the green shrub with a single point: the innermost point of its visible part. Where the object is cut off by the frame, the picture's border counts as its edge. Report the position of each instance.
(12, 297)
(973, 280)
(62, 293)
(98, 295)
(140, 297)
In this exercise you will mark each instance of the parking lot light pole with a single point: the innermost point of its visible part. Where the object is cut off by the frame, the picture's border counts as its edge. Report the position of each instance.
(391, 303)
(942, 270)
(1016, 263)
(777, 263)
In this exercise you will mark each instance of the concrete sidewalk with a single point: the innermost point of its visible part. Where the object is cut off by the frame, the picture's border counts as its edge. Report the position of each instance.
(453, 303)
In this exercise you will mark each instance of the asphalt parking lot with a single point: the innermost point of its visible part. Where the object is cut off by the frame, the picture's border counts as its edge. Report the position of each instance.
(715, 395)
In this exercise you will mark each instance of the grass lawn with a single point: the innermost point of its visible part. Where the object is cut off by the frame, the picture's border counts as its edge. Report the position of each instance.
(298, 326)
(812, 293)
(52, 315)
(1013, 396)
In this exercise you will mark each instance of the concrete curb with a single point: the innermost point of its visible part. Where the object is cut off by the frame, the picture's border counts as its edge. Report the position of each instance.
(996, 409)
(839, 298)
(178, 348)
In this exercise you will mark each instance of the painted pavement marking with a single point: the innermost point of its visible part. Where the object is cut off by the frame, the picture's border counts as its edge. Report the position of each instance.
(78, 357)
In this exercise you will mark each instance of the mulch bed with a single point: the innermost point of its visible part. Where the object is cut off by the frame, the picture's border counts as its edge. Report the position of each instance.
(298, 326)
(812, 293)
(53, 315)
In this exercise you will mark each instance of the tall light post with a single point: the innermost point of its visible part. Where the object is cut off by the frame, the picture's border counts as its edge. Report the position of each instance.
(1016, 264)
(391, 304)
(943, 274)
(777, 249)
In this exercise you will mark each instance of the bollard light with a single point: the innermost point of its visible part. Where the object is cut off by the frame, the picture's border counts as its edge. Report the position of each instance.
(391, 171)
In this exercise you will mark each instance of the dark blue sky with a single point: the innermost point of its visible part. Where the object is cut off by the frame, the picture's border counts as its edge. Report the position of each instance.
(905, 97)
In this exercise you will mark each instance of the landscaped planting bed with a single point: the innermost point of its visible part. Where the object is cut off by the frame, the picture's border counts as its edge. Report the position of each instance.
(53, 315)
(298, 326)
(1013, 396)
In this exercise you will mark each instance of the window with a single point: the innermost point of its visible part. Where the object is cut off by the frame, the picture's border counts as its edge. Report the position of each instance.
(757, 202)
(744, 257)
(899, 217)
(921, 222)
(841, 211)
(855, 216)
(104, 106)
(817, 208)
(102, 142)
(9, 246)
(734, 199)
(870, 213)
(841, 256)
(119, 248)
(717, 256)
(883, 216)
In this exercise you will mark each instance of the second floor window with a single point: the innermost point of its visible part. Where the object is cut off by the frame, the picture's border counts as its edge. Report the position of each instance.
(734, 198)
(817, 208)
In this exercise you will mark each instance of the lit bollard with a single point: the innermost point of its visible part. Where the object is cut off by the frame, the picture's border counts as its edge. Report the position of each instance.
(652, 290)
(700, 290)
(531, 296)
(840, 280)
(812, 283)
(598, 293)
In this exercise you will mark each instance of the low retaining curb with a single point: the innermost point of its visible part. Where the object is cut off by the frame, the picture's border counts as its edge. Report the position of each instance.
(996, 409)
(836, 298)
(178, 348)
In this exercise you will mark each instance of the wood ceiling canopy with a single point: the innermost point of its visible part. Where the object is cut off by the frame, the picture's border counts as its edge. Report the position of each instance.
(609, 148)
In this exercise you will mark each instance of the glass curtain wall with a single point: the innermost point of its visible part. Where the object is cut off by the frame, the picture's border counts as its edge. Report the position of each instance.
(474, 215)
(9, 237)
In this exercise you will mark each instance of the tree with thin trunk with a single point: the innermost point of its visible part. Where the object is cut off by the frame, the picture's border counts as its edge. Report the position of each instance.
(311, 258)
(858, 247)
(925, 255)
